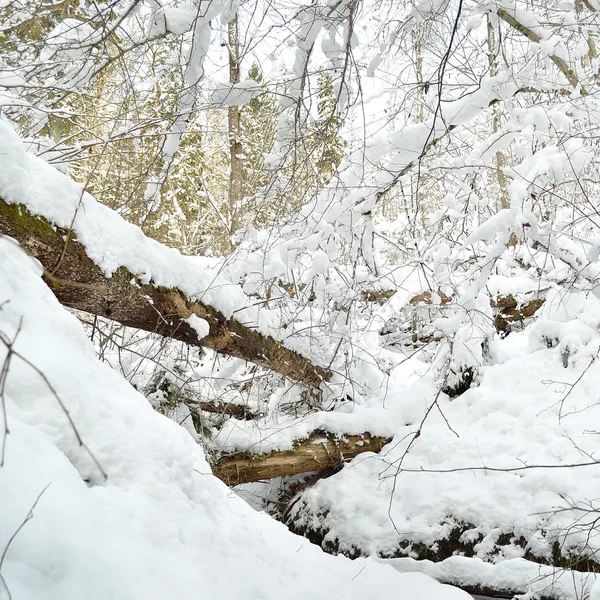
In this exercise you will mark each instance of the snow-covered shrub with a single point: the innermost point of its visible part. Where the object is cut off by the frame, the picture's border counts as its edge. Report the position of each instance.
(464, 348)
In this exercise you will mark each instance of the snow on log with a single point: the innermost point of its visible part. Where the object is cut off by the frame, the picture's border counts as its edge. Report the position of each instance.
(77, 282)
(321, 450)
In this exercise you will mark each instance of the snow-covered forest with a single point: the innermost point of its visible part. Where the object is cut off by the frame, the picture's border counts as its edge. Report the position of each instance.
(299, 299)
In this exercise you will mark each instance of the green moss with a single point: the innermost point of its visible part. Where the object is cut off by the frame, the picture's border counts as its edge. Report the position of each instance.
(21, 221)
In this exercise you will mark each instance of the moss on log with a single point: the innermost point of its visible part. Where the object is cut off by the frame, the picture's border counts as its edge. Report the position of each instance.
(78, 283)
(455, 543)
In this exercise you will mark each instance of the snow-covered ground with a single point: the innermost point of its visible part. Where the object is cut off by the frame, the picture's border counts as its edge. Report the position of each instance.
(159, 525)
(498, 465)
(512, 575)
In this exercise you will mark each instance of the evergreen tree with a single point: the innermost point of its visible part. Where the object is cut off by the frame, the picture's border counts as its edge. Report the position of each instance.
(330, 145)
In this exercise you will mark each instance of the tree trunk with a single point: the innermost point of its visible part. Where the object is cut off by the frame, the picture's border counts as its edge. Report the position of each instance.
(234, 125)
(78, 283)
(510, 18)
(320, 451)
(504, 200)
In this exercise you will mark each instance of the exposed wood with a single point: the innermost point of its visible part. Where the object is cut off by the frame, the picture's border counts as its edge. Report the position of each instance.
(517, 313)
(508, 308)
(428, 298)
(321, 450)
(378, 297)
(78, 283)
(504, 302)
(239, 411)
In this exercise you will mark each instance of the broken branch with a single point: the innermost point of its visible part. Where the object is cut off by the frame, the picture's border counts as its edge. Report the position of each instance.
(321, 450)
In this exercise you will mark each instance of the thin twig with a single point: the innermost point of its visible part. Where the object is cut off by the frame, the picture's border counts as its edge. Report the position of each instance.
(28, 518)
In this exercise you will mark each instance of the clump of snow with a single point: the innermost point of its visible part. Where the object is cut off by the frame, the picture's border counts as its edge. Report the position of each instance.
(200, 325)
(237, 94)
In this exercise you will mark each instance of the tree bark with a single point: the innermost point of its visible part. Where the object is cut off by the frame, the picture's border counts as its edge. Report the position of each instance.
(234, 125)
(320, 451)
(78, 283)
(239, 411)
(500, 162)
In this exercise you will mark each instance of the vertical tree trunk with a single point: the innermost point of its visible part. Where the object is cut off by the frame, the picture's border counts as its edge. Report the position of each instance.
(236, 182)
(422, 88)
(416, 34)
(504, 199)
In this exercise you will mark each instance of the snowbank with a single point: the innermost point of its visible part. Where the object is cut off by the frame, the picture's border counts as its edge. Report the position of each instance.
(491, 470)
(160, 526)
(512, 575)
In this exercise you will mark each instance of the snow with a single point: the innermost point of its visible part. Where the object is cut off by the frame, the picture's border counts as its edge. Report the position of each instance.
(160, 525)
(375, 62)
(237, 94)
(201, 326)
(73, 37)
(494, 460)
(534, 404)
(516, 575)
(505, 285)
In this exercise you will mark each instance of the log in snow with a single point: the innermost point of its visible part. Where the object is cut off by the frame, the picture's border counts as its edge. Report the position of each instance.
(320, 451)
(507, 308)
(77, 282)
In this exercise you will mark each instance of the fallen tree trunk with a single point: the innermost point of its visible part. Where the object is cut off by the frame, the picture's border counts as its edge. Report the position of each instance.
(378, 297)
(510, 311)
(239, 411)
(321, 450)
(78, 283)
